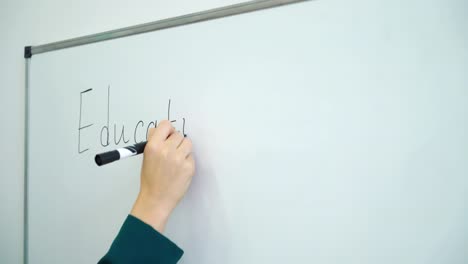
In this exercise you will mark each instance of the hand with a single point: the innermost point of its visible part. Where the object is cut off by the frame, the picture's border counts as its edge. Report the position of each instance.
(166, 173)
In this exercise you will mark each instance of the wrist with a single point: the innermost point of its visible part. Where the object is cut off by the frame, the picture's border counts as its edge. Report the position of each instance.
(151, 212)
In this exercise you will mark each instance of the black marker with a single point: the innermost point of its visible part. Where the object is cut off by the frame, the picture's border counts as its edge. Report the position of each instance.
(120, 153)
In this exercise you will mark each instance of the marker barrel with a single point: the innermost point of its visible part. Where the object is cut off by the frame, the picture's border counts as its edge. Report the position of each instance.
(113, 155)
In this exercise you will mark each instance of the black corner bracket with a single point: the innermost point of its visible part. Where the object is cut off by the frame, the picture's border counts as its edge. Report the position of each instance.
(27, 52)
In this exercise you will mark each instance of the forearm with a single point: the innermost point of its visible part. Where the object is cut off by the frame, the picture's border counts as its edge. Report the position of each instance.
(152, 212)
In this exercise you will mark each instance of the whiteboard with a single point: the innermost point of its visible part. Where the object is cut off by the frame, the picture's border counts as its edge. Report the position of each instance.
(324, 132)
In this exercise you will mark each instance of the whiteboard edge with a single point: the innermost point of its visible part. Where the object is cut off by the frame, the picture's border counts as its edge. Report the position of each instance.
(211, 14)
(26, 164)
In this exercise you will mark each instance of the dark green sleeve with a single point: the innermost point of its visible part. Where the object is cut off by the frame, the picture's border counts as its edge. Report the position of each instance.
(137, 242)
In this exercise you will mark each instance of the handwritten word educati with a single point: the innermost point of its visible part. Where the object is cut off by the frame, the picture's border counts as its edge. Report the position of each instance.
(120, 134)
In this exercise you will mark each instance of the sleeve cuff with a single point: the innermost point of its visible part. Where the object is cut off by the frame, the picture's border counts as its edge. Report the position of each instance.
(138, 242)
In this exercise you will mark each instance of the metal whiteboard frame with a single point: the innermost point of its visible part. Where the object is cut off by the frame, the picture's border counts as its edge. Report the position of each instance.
(29, 51)
(211, 14)
(26, 165)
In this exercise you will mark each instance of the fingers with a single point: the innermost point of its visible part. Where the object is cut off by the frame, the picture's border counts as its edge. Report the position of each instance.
(185, 147)
(161, 133)
(150, 133)
(175, 140)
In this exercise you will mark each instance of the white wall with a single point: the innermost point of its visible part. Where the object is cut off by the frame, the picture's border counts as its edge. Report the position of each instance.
(30, 22)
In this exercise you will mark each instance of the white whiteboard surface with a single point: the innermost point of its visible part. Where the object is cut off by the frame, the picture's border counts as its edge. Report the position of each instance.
(324, 132)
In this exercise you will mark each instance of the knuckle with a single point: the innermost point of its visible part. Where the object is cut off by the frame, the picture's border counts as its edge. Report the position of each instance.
(164, 123)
